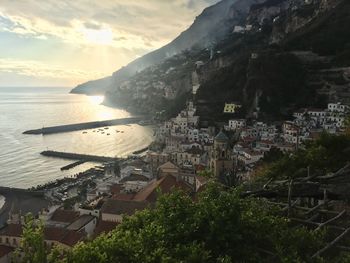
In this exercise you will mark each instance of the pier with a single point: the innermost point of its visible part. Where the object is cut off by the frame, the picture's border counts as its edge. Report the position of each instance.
(84, 126)
(72, 165)
(80, 157)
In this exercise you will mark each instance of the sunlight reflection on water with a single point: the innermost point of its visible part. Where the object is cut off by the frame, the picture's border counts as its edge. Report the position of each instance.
(20, 160)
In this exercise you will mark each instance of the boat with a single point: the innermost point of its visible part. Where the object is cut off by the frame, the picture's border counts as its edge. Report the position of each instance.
(84, 132)
(108, 134)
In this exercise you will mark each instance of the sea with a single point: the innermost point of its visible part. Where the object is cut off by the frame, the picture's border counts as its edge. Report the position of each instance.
(21, 109)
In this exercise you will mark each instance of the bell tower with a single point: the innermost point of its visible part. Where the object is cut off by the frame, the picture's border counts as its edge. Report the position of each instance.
(221, 160)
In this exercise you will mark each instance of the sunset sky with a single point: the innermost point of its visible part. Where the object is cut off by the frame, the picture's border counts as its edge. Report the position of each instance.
(64, 43)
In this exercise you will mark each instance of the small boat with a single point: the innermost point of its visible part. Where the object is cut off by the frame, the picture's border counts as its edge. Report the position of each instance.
(117, 131)
(106, 128)
(122, 131)
(102, 132)
(84, 132)
(108, 134)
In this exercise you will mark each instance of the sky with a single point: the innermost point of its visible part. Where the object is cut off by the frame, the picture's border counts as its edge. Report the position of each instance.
(65, 42)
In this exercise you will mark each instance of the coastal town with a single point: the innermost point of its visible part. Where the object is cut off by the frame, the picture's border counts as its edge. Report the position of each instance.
(252, 100)
(181, 157)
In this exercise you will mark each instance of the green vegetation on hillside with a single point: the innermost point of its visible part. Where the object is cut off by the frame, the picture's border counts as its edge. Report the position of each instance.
(327, 154)
(328, 35)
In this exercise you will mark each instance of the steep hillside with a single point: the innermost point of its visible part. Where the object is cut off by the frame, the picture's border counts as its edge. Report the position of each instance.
(209, 27)
(279, 58)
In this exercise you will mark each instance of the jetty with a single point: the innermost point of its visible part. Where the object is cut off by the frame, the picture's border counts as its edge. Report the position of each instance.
(84, 126)
(80, 157)
(72, 165)
(141, 150)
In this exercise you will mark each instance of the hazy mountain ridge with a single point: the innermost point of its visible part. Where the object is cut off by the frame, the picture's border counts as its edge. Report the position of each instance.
(282, 56)
(209, 27)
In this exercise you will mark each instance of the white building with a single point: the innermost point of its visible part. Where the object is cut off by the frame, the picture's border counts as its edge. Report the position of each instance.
(236, 124)
(338, 107)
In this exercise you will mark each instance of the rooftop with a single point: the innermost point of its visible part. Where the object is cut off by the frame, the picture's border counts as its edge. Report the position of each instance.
(134, 177)
(80, 222)
(119, 207)
(165, 185)
(104, 227)
(62, 235)
(65, 216)
(221, 137)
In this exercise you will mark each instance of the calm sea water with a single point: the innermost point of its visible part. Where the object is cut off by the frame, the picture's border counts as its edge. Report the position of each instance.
(22, 109)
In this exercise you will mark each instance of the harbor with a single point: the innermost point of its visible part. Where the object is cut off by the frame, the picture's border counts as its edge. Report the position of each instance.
(84, 126)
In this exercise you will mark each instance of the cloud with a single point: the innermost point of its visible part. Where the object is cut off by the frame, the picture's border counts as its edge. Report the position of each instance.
(133, 22)
(104, 35)
(40, 70)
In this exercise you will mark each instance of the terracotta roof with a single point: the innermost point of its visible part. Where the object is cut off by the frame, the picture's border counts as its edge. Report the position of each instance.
(165, 184)
(123, 196)
(71, 238)
(119, 207)
(104, 227)
(65, 216)
(4, 250)
(61, 235)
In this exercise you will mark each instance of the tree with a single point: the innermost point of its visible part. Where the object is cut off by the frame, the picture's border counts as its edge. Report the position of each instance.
(32, 245)
(327, 154)
(219, 227)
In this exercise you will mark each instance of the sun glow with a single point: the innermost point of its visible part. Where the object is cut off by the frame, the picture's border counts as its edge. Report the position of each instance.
(101, 36)
(96, 99)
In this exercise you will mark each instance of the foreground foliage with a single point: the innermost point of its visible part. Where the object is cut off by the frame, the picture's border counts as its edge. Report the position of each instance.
(219, 227)
(327, 154)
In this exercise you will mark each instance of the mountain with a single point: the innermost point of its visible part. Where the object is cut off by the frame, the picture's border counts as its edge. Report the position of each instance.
(283, 55)
(208, 28)
(276, 56)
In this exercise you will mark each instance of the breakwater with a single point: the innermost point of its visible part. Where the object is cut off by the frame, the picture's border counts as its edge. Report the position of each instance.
(6, 190)
(84, 126)
(72, 165)
(78, 156)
